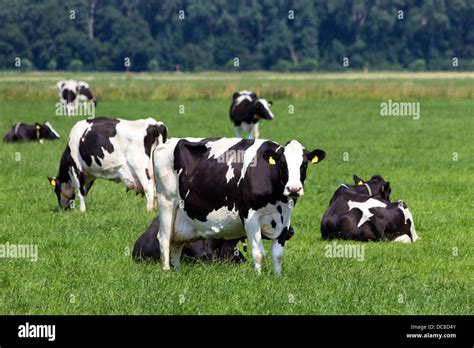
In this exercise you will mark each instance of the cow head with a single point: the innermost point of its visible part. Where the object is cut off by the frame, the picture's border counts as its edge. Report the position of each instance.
(376, 186)
(406, 233)
(47, 131)
(262, 109)
(292, 163)
(64, 192)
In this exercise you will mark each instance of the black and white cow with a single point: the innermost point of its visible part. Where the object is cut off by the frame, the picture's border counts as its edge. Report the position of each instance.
(148, 247)
(26, 132)
(245, 112)
(72, 92)
(111, 149)
(228, 188)
(364, 212)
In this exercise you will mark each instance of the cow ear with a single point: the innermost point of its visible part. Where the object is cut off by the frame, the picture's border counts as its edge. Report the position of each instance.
(60, 84)
(253, 95)
(235, 95)
(316, 156)
(270, 102)
(385, 190)
(272, 157)
(358, 181)
(53, 181)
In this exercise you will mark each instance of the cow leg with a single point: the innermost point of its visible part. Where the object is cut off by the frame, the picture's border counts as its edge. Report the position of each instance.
(254, 236)
(78, 182)
(167, 217)
(175, 254)
(254, 132)
(277, 256)
(238, 131)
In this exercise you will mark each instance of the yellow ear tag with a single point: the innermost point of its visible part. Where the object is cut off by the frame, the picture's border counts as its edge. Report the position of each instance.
(53, 183)
(383, 188)
(315, 159)
(360, 183)
(271, 161)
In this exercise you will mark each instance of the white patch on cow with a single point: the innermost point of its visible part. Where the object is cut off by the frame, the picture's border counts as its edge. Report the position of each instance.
(266, 106)
(230, 171)
(404, 238)
(220, 147)
(249, 156)
(220, 223)
(365, 207)
(344, 185)
(294, 158)
(245, 92)
(47, 124)
(408, 216)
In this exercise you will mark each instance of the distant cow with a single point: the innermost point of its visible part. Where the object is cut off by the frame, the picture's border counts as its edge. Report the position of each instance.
(204, 193)
(36, 132)
(72, 92)
(111, 149)
(148, 247)
(364, 212)
(245, 112)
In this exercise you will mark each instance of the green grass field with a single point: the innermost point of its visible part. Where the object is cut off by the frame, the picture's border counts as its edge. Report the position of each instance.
(84, 264)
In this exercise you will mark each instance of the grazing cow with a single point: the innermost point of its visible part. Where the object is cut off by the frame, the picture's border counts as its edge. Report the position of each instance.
(36, 132)
(111, 149)
(72, 92)
(246, 110)
(203, 192)
(364, 212)
(148, 247)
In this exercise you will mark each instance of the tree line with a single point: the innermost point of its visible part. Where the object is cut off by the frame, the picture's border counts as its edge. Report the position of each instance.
(194, 35)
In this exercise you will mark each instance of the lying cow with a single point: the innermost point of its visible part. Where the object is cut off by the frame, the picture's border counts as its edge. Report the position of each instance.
(112, 149)
(245, 112)
(200, 195)
(368, 215)
(148, 247)
(36, 132)
(72, 92)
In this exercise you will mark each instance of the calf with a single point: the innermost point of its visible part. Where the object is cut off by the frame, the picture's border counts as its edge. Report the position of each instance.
(26, 132)
(148, 247)
(246, 110)
(205, 192)
(72, 92)
(112, 149)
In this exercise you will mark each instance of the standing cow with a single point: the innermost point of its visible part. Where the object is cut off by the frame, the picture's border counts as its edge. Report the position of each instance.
(111, 149)
(34, 132)
(72, 92)
(203, 191)
(245, 112)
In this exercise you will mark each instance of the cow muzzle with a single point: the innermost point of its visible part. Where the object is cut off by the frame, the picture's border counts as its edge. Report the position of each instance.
(293, 191)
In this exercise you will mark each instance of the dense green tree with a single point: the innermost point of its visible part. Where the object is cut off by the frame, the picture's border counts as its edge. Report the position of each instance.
(287, 35)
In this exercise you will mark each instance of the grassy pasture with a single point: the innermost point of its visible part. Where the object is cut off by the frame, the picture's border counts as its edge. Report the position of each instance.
(84, 265)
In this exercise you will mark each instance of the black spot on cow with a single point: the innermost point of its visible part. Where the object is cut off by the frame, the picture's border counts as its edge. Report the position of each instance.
(281, 218)
(97, 139)
(152, 134)
(279, 209)
(147, 174)
(274, 224)
(69, 95)
(285, 235)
